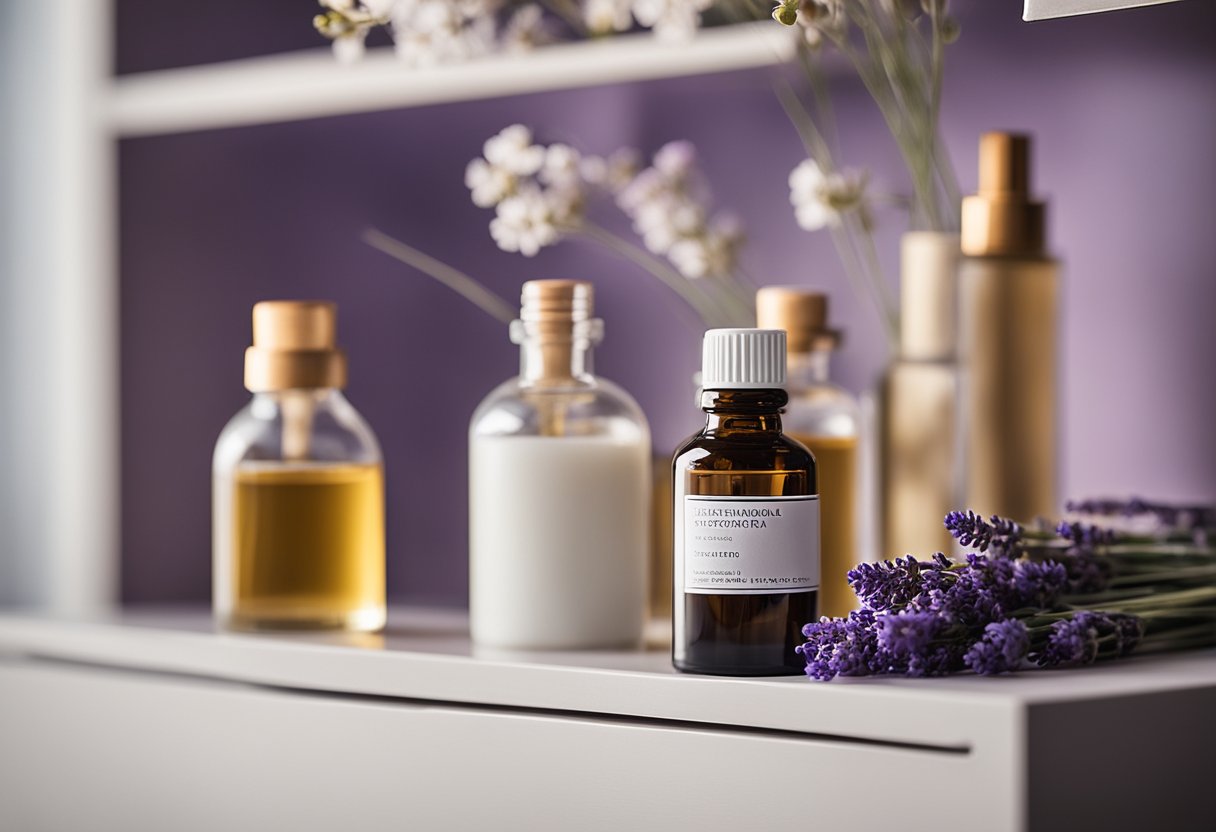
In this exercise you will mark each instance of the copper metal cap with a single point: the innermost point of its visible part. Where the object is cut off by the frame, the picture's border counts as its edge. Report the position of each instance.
(802, 313)
(294, 346)
(1002, 218)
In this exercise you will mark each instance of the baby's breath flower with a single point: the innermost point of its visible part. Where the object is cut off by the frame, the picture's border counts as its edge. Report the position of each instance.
(513, 151)
(561, 165)
(526, 28)
(429, 32)
(669, 205)
(614, 172)
(489, 185)
(821, 199)
(605, 16)
(671, 19)
(523, 222)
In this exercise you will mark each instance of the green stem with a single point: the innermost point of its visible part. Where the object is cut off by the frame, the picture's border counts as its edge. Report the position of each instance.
(1163, 577)
(1160, 600)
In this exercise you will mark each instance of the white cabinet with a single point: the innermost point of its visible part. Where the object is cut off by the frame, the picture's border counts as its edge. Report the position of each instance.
(156, 722)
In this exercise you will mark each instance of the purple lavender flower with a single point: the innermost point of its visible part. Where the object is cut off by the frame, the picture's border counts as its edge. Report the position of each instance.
(1082, 638)
(1086, 571)
(1038, 583)
(1085, 534)
(1129, 629)
(842, 647)
(914, 643)
(939, 659)
(1186, 518)
(1072, 642)
(893, 584)
(1001, 535)
(908, 633)
(979, 593)
(1000, 650)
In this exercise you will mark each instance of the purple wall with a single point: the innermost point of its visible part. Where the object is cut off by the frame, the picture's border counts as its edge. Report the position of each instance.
(211, 222)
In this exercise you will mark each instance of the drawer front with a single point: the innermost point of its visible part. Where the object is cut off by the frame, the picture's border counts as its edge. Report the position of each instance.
(85, 748)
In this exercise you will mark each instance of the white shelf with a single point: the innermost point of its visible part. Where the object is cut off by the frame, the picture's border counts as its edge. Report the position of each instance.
(313, 84)
(342, 731)
(427, 655)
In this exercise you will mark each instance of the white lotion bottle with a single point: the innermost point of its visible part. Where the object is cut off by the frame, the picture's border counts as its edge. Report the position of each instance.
(559, 490)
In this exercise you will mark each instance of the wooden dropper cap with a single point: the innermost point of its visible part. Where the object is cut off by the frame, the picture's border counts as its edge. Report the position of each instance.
(294, 347)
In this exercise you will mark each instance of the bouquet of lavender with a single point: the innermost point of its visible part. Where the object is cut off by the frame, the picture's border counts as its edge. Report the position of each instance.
(1114, 577)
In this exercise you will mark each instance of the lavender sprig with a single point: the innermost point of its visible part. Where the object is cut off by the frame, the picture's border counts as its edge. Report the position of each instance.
(1086, 636)
(1001, 649)
(1001, 535)
(1027, 598)
(1182, 517)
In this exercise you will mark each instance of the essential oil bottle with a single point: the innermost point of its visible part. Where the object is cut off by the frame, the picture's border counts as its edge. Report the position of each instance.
(559, 490)
(827, 419)
(746, 518)
(298, 488)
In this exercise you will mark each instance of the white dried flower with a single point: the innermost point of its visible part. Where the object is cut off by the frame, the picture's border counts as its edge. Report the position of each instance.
(526, 29)
(668, 204)
(605, 16)
(713, 254)
(671, 19)
(561, 166)
(489, 185)
(821, 199)
(523, 223)
(513, 151)
(429, 32)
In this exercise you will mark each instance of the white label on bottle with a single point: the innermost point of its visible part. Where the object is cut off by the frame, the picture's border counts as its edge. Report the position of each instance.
(750, 545)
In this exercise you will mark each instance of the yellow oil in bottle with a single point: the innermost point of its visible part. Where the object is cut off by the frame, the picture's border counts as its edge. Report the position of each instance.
(837, 461)
(308, 546)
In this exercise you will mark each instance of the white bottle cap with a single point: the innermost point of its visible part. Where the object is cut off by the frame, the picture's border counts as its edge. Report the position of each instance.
(743, 359)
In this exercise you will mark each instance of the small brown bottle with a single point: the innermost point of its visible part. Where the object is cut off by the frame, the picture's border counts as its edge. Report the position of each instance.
(746, 518)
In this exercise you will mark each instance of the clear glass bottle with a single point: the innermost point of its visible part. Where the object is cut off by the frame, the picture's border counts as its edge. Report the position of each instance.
(298, 487)
(827, 419)
(559, 490)
(746, 516)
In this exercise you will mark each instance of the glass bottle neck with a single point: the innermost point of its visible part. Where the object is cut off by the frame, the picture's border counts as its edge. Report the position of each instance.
(547, 360)
(807, 369)
(743, 411)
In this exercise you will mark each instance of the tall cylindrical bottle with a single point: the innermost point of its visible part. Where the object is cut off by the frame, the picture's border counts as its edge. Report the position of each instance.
(559, 490)
(746, 518)
(826, 418)
(298, 486)
(1007, 317)
(919, 442)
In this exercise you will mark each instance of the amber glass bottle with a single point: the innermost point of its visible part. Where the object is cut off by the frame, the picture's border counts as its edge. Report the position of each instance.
(827, 419)
(746, 519)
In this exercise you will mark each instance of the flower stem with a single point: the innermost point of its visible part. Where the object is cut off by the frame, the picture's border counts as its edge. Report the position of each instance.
(459, 282)
(710, 313)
